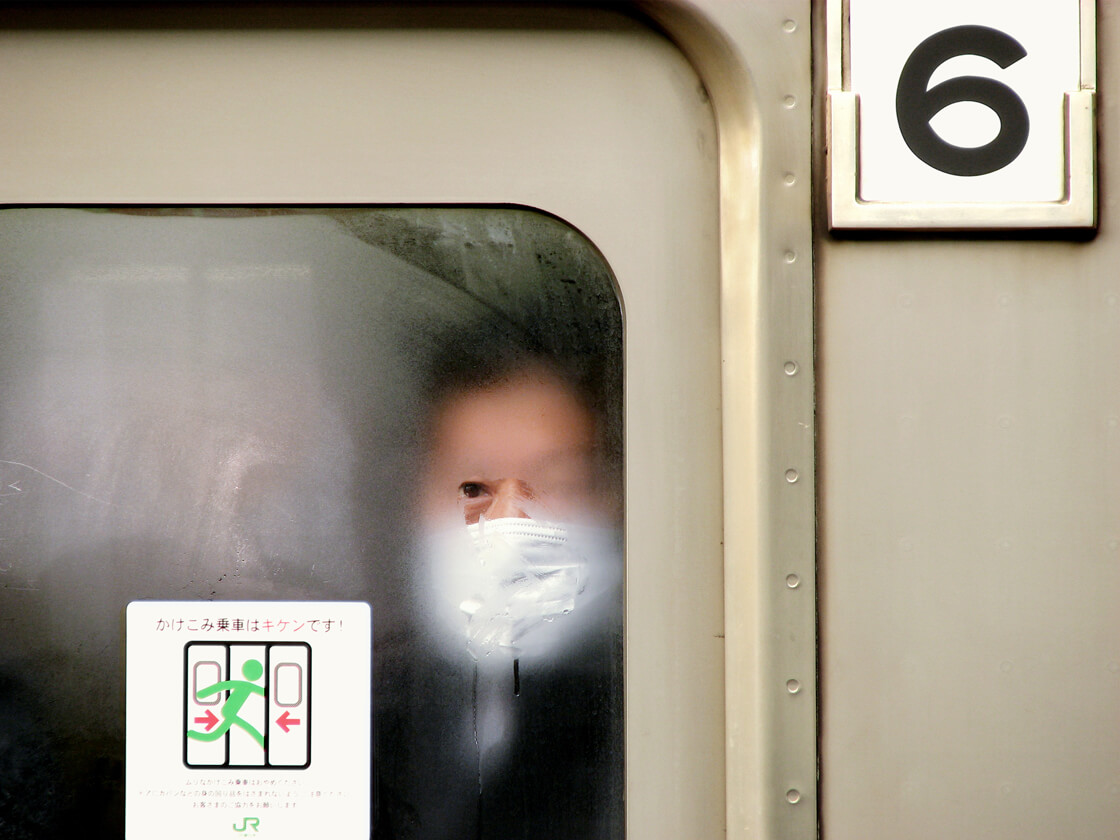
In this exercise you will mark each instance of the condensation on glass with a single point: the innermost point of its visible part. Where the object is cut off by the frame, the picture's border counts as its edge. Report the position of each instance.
(416, 407)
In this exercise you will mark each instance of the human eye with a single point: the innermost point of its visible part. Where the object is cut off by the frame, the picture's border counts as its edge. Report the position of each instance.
(472, 490)
(475, 498)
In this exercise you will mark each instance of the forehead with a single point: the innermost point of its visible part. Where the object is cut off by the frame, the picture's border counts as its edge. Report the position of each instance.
(515, 425)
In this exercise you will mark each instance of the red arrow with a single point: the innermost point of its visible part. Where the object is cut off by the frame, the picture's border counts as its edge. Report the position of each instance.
(285, 720)
(209, 719)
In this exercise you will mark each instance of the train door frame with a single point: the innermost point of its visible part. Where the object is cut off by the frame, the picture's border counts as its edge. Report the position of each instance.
(754, 64)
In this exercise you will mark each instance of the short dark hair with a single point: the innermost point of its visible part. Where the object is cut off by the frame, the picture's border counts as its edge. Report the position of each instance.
(493, 349)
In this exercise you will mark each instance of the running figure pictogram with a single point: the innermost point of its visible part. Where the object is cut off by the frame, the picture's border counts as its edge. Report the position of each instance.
(239, 692)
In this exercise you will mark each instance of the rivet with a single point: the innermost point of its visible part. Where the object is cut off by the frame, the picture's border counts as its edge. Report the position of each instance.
(789, 25)
(1114, 667)
(789, 101)
(1113, 422)
(789, 257)
(1110, 300)
(1005, 666)
(792, 476)
(790, 368)
(906, 300)
(793, 581)
(789, 179)
(1005, 422)
(1005, 300)
(1005, 544)
(793, 796)
(1006, 788)
(1113, 545)
(793, 686)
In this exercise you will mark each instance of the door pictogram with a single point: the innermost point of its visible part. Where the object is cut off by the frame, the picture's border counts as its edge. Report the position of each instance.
(247, 704)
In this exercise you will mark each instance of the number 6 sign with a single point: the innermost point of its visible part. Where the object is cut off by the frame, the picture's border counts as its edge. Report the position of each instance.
(961, 114)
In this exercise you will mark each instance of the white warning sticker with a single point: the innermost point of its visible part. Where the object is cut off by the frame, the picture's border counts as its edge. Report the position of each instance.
(248, 719)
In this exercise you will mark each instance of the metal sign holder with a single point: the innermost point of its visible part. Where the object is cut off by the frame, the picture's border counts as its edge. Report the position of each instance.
(848, 210)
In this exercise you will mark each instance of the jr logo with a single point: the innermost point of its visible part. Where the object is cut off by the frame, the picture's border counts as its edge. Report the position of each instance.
(247, 823)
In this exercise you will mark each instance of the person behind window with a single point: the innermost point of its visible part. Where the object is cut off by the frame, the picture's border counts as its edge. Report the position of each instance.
(519, 509)
(515, 501)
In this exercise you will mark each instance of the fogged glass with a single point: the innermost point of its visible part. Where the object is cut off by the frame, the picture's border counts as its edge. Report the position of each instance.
(416, 407)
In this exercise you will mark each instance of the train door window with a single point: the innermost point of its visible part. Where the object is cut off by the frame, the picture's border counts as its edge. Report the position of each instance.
(420, 408)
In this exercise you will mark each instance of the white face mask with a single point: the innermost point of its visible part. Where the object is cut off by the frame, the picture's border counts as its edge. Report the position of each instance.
(513, 584)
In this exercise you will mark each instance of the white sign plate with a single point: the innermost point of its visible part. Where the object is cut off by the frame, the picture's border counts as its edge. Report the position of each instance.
(247, 719)
(967, 113)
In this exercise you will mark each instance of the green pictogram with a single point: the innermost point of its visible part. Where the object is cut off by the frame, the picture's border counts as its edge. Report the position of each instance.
(239, 692)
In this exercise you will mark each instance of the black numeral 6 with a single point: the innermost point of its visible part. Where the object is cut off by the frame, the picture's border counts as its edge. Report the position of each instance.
(915, 106)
